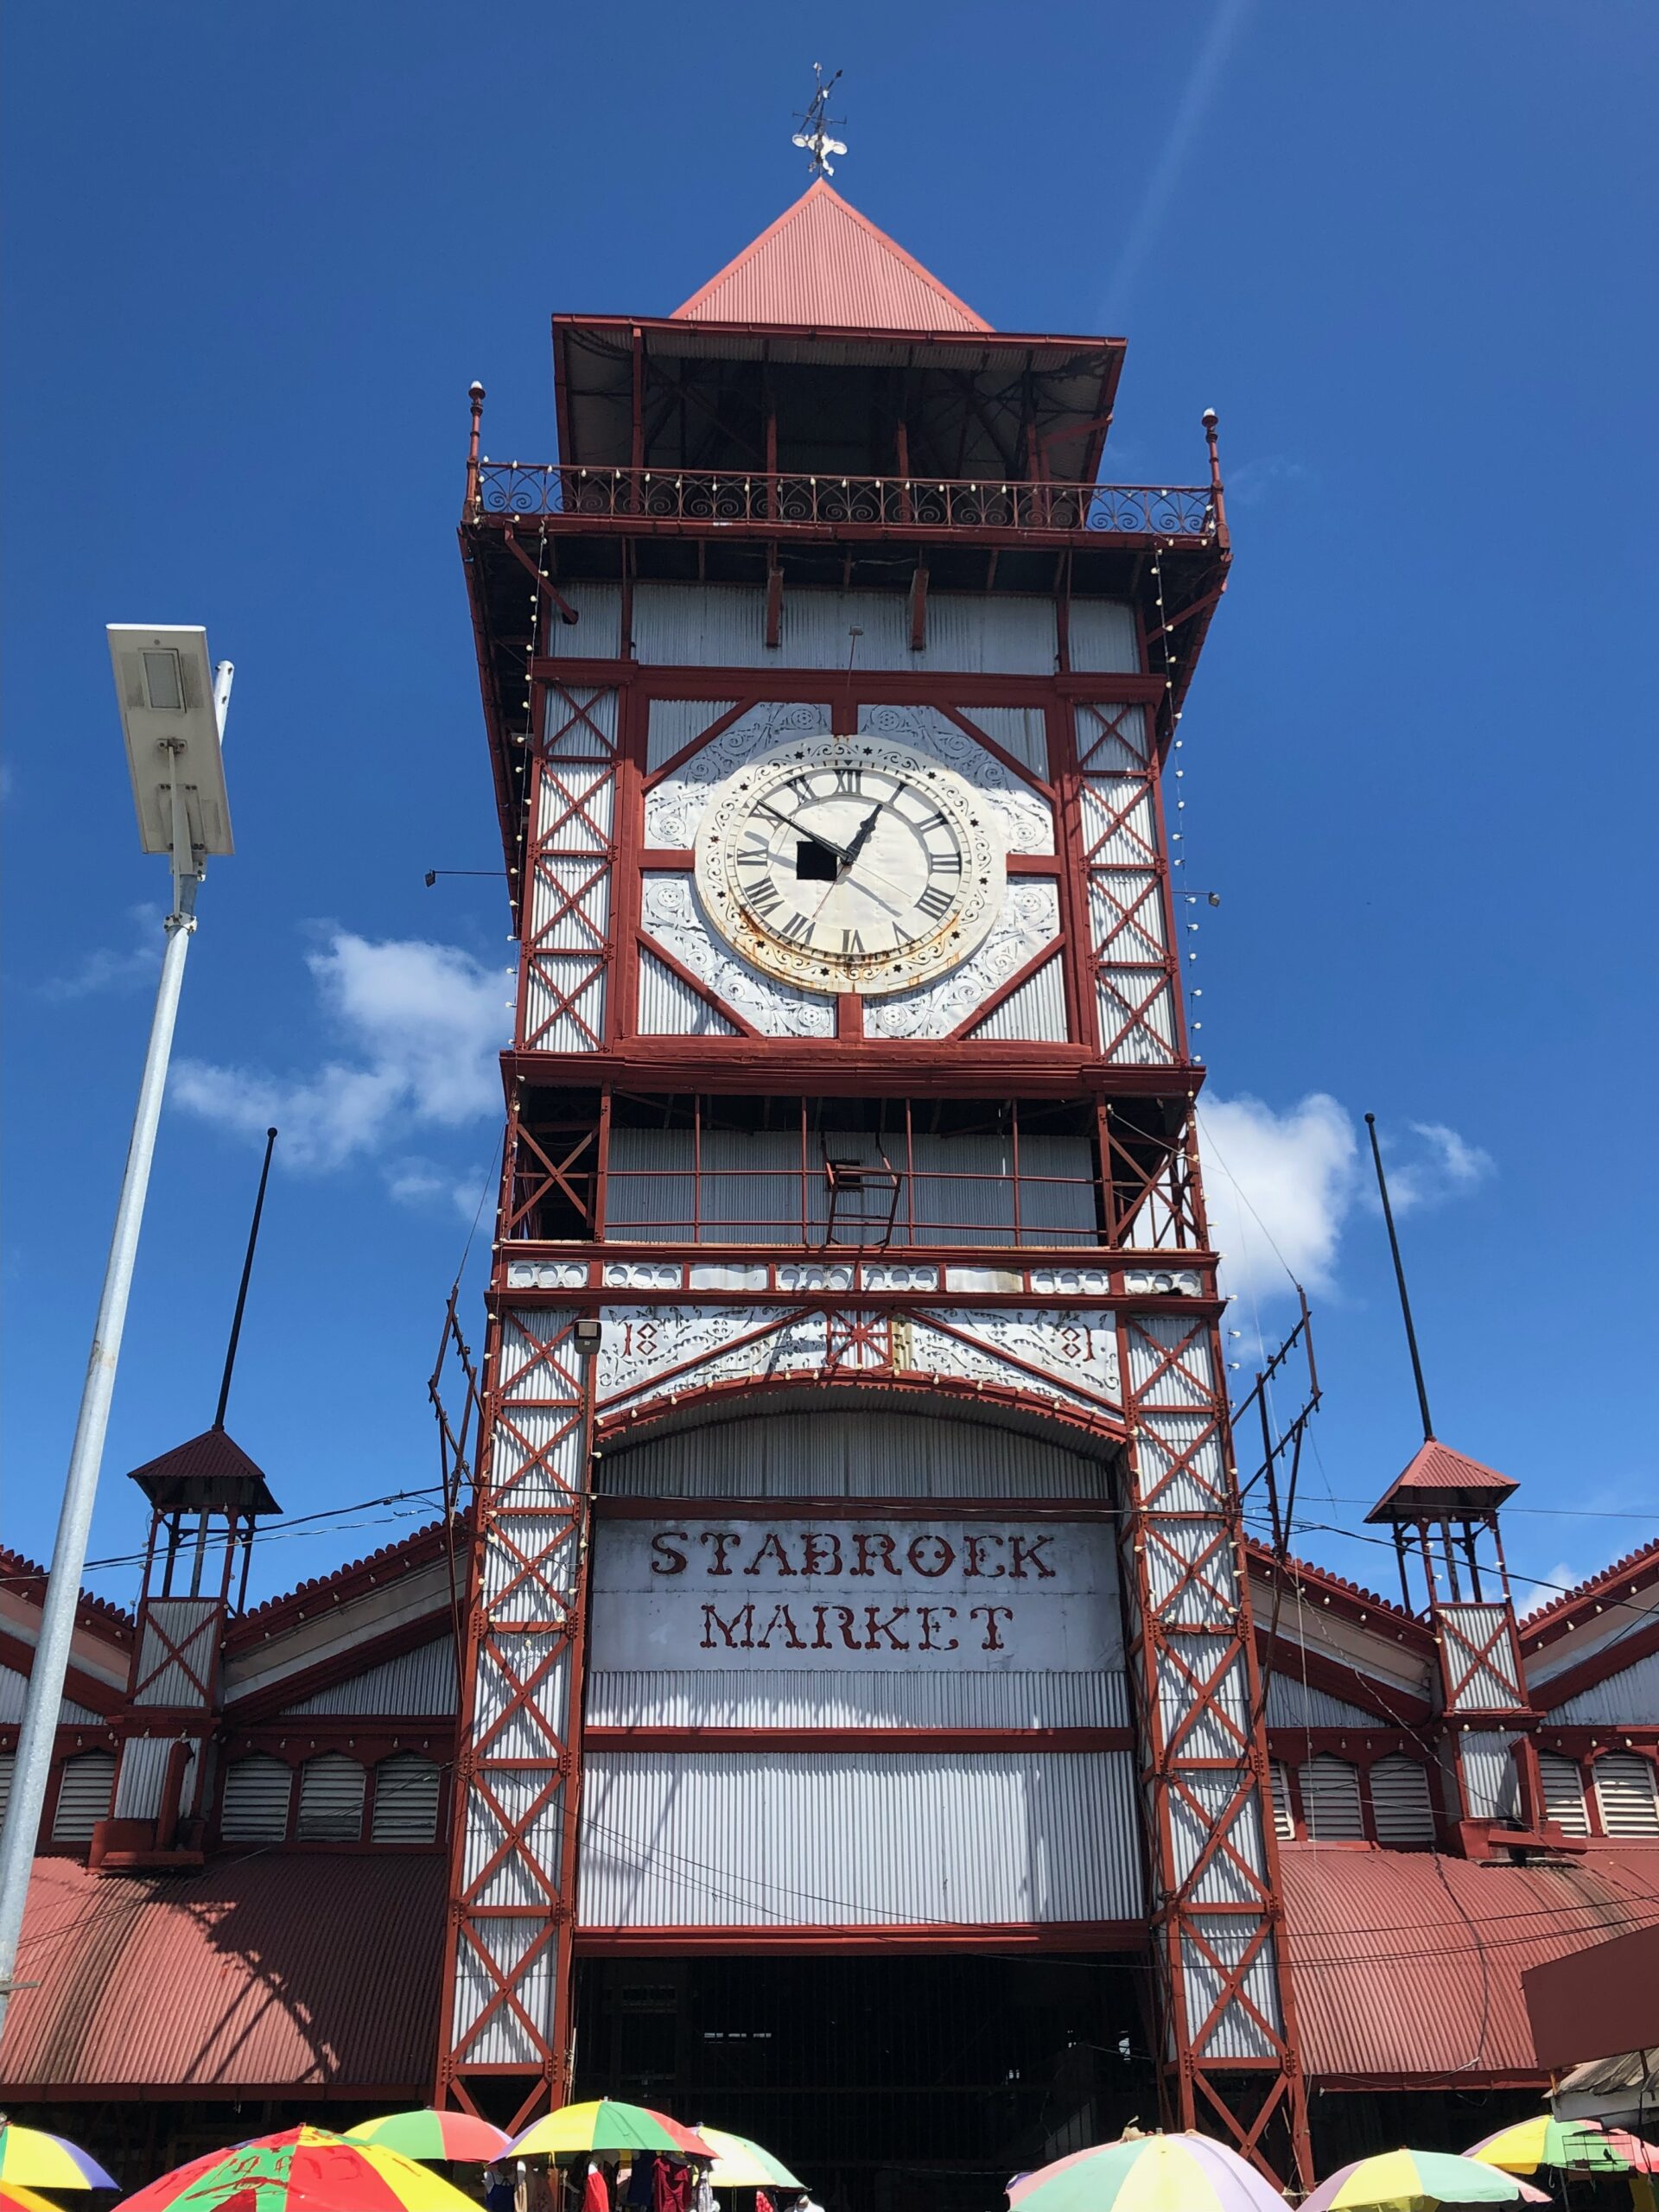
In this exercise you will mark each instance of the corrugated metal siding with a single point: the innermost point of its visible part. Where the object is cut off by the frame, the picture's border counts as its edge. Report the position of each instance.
(1406, 1964)
(1100, 633)
(1036, 1012)
(672, 724)
(842, 1840)
(1492, 1686)
(1630, 1696)
(1492, 1784)
(419, 1681)
(271, 1972)
(596, 634)
(1563, 1787)
(256, 1792)
(14, 1695)
(719, 1698)
(85, 1791)
(1021, 731)
(331, 1799)
(407, 1788)
(1330, 1789)
(1626, 1796)
(139, 1776)
(1293, 1703)
(504, 2039)
(670, 1008)
(1236, 2034)
(853, 1453)
(189, 1626)
(1401, 1808)
(723, 625)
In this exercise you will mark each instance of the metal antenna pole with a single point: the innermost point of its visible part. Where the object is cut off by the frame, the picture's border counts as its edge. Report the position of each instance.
(242, 1288)
(37, 1740)
(1400, 1278)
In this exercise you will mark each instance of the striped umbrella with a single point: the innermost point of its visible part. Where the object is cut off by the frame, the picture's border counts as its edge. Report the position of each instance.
(1153, 2173)
(15, 2198)
(608, 2128)
(456, 2135)
(1414, 2181)
(1579, 2145)
(301, 2169)
(740, 2164)
(38, 2160)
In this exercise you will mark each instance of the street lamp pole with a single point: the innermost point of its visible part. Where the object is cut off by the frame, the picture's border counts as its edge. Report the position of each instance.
(173, 717)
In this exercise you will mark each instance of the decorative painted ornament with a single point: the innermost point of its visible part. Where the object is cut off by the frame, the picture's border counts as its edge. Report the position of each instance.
(850, 864)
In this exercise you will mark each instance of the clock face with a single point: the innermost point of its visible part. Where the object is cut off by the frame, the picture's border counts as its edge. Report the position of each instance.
(850, 864)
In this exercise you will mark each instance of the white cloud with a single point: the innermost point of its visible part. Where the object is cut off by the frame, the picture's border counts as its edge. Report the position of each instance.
(111, 968)
(1279, 1187)
(423, 1024)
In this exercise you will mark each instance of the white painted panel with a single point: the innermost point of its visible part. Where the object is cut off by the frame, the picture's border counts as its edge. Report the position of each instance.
(188, 1627)
(423, 1681)
(672, 724)
(849, 1840)
(723, 625)
(956, 1597)
(139, 1777)
(721, 1697)
(1401, 1808)
(85, 1790)
(1296, 1703)
(1100, 633)
(1236, 2033)
(331, 1799)
(14, 1695)
(1563, 1785)
(1022, 732)
(596, 633)
(670, 1008)
(1036, 1012)
(1490, 1687)
(1631, 1696)
(1492, 1784)
(829, 1452)
(513, 2034)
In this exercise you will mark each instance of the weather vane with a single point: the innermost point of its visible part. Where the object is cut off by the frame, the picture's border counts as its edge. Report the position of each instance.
(813, 137)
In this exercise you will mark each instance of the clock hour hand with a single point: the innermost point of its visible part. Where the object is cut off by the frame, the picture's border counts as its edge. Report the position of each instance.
(861, 834)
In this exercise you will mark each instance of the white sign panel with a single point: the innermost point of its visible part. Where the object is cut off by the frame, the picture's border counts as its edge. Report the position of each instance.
(755, 1595)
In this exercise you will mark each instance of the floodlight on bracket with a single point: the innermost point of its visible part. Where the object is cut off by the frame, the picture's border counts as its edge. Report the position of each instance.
(173, 709)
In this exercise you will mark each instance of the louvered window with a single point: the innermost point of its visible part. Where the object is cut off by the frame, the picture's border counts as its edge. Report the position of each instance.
(6, 1764)
(1401, 1809)
(256, 1791)
(331, 1799)
(1563, 1781)
(1330, 1801)
(1284, 1820)
(84, 1794)
(1625, 1794)
(405, 1800)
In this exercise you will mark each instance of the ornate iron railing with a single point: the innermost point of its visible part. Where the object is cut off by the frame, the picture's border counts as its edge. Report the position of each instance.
(782, 502)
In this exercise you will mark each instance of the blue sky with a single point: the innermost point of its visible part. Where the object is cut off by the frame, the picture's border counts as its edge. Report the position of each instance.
(255, 258)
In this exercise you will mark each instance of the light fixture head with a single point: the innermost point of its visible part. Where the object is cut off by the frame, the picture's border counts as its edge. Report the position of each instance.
(164, 687)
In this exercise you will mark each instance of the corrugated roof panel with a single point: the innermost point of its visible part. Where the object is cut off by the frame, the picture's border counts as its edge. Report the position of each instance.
(272, 1972)
(1406, 1964)
(823, 264)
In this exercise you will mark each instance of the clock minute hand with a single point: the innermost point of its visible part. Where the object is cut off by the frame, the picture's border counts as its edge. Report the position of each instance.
(813, 836)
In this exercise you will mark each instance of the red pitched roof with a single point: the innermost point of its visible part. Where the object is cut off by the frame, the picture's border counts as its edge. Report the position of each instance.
(271, 1972)
(823, 264)
(1439, 1480)
(209, 1474)
(29, 1577)
(1409, 1963)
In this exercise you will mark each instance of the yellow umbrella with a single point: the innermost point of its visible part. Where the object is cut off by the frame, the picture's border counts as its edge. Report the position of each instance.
(740, 2164)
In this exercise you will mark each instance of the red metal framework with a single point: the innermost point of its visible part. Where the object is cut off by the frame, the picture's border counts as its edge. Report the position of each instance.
(507, 1979)
(1135, 971)
(1231, 2054)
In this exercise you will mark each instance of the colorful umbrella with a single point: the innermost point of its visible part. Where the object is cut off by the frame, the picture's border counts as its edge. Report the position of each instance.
(302, 2169)
(428, 2135)
(1582, 2145)
(1413, 2181)
(41, 2161)
(740, 2164)
(1154, 2173)
(608, 2127)
(15, 2198)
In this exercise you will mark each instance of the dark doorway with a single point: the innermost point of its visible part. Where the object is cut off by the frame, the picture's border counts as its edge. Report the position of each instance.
(885, 2083)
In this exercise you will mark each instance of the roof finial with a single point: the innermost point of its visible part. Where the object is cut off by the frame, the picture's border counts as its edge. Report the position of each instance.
(813, 137)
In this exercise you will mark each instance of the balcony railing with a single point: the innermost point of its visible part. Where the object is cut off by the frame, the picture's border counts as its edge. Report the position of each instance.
(714, 499)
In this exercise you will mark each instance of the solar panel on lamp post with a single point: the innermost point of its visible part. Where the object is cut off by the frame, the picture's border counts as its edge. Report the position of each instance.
(173, 707)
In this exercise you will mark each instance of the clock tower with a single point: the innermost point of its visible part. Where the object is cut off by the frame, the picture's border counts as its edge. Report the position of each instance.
(862, 1743)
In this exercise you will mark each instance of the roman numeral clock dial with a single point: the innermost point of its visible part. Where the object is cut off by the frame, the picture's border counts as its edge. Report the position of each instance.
(850, 864)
